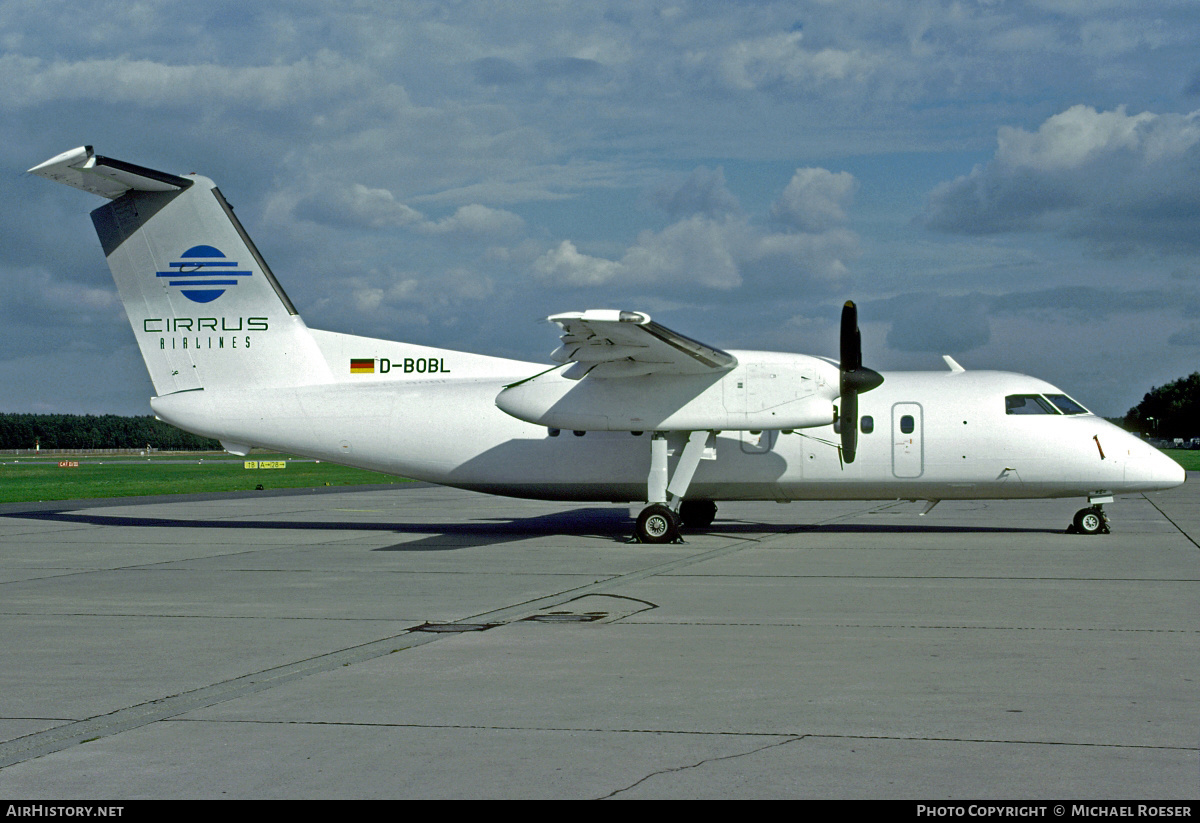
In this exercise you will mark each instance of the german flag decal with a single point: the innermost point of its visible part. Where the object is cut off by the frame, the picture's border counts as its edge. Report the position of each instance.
(362, 365)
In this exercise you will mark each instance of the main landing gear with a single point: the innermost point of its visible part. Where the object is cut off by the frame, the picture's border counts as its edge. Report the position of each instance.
(660, 521)
(1091, 520)
(658, 524)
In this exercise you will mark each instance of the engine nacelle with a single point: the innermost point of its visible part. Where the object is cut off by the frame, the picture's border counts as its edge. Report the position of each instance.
(765, 391)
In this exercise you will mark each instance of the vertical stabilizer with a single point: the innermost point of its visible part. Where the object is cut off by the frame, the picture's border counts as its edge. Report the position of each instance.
(205, 308)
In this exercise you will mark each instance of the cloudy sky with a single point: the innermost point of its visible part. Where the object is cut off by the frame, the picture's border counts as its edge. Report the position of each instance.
(1014, 184)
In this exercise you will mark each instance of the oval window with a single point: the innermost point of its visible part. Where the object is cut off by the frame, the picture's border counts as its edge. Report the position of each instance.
(907, 424)
(867, 424)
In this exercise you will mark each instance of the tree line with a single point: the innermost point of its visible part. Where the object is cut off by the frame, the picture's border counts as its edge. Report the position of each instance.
(1168, 411)
(80, 432)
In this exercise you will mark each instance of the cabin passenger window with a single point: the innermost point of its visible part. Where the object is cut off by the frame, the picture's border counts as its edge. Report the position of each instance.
(1066, 405)
(1028, 404)
(867, 424)
(907, 424)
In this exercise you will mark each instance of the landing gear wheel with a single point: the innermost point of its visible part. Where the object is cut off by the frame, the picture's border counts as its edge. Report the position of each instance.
(697, 514)
(1090, 521)
(657, 524)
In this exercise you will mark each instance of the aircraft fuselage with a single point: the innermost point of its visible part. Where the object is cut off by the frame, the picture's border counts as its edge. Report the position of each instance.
(924, 435)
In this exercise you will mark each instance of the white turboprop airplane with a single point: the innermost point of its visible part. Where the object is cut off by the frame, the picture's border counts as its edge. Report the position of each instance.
(633, 411)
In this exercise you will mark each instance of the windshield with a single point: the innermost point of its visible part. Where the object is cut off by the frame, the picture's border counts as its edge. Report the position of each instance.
(1066, 405)
(1028, 404)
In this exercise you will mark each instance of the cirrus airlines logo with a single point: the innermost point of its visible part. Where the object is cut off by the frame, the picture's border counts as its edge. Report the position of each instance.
(203, 273)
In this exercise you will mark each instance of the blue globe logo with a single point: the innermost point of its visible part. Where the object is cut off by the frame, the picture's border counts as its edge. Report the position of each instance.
(202, 274)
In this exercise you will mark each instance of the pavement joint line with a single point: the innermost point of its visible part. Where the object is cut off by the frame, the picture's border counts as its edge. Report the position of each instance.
(790, 736)
(700, 763)
(58, 738)
(1191, 539)
(643, 621)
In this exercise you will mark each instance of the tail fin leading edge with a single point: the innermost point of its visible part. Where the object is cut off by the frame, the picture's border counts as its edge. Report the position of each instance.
(205, 308)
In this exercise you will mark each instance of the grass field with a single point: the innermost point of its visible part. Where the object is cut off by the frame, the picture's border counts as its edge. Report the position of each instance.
(1188, 458)
(24, 479)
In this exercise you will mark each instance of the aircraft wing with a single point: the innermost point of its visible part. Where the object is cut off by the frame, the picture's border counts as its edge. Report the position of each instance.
(611, 344)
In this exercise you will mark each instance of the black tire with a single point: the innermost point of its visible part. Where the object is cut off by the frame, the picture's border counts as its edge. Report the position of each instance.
(1089, 521)
(697, 514)
(657, 524)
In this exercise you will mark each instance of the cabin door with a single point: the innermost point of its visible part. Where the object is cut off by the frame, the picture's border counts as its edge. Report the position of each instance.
(908, 448)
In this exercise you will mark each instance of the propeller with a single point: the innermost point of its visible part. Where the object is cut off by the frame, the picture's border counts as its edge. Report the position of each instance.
(854, 380)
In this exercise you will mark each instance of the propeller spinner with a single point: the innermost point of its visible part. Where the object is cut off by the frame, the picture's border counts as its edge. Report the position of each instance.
(855, 379)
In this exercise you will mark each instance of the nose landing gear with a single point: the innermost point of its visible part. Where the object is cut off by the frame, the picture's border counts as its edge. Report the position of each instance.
(1091, 520)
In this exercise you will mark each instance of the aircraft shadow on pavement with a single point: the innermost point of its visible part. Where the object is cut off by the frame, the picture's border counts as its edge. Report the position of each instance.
(604, 523)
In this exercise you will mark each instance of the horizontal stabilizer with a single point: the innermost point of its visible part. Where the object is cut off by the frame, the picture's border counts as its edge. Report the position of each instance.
(84, 169)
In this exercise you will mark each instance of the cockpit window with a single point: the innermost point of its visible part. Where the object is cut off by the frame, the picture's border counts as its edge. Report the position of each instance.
(1028, 404)
(1066, 405)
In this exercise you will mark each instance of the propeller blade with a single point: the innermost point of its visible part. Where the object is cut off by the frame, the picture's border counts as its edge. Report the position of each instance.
(854, 379)
(848, 414)
(851, 350)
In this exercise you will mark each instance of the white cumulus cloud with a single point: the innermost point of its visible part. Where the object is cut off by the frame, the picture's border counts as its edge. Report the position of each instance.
(815, 199)
(475, 219)
(807, 240)
(1114, 178)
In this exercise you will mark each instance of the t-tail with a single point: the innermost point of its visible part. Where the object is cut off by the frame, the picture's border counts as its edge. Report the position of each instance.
(205, 308)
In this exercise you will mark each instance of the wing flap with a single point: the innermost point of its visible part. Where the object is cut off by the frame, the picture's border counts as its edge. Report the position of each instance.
(607, 343)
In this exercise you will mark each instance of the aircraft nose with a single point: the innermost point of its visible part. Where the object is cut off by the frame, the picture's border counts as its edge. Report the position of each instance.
(1151, 469)
(1171, 472)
